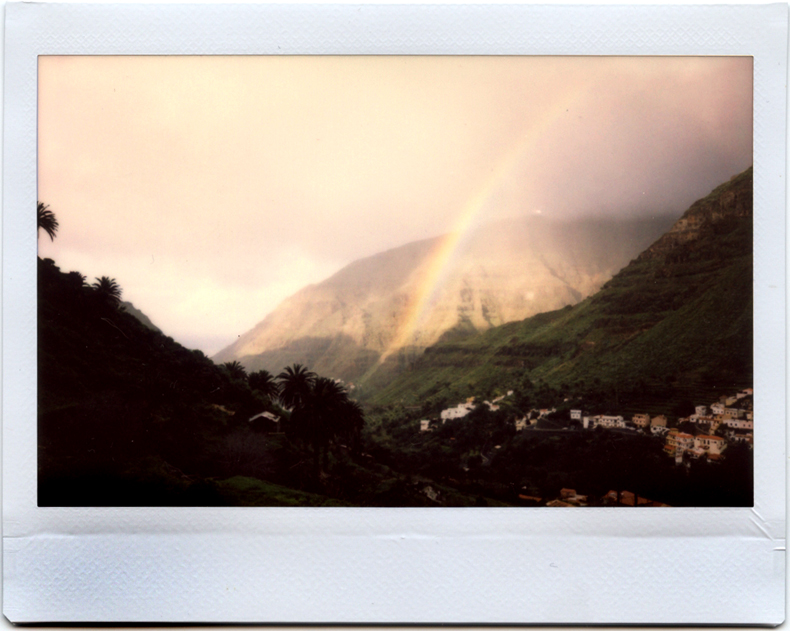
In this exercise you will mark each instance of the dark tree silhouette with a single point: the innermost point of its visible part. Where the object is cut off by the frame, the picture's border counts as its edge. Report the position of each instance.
(76, 280)
(296, 382)
(109, 290)
(321, 411)
(264, 383)
(350, 423)
(235, 370)
(47, 221)
(316, 418)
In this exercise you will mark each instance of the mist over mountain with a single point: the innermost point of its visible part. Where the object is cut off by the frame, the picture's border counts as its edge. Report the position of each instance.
(674, 325)
(500, 272)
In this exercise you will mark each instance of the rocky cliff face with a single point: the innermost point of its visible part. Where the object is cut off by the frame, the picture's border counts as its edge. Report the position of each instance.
(397, 300)
(712, 213)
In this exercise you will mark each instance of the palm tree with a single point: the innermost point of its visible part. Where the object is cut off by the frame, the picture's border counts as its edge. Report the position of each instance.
(350, 423)
(109, 290)
(264, 383)
(315, 419)
(76, 280)
(296, 382)
(46, 220)
(235, 370)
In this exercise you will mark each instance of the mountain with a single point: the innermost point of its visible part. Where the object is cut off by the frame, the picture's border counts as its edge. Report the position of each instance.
(675, 325)
(394, 304)
(141, 317)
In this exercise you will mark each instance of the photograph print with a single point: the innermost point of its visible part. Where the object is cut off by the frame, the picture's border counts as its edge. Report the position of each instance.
(395, 281)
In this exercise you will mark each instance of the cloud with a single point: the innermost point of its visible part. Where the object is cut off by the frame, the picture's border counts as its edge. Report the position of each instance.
(242, 177)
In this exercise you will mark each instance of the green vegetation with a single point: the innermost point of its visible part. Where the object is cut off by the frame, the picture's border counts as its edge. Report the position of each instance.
(675, 324)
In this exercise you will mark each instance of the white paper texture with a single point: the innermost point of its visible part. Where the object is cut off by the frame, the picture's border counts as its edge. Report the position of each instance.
(516, 565)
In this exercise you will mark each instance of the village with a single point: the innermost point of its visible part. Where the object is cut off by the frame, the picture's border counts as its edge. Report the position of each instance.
(703, 435)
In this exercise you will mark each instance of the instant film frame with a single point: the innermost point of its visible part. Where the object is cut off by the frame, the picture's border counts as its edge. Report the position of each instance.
(671, 566)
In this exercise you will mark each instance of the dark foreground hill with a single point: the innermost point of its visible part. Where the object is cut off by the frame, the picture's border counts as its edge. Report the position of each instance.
(128, 417)
(674, 325)
(144, 319)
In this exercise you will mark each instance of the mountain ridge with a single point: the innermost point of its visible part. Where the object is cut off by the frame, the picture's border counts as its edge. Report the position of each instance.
(675, 323)
(501, 273)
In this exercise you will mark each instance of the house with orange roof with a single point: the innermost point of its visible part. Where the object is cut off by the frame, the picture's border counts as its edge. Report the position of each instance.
(710, 444)
(671, 444)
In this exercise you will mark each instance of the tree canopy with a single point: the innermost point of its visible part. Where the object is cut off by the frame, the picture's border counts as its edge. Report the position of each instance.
(109, 290)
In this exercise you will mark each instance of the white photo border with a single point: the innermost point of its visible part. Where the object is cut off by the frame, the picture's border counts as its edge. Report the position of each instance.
(376, 565)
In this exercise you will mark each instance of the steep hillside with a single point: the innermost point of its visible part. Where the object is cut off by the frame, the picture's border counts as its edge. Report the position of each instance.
(499, 273)
(128, 417)
(674, 325)
(141, 317)
(125, 414)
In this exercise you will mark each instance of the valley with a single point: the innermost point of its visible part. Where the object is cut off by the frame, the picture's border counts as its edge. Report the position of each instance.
(553, 342)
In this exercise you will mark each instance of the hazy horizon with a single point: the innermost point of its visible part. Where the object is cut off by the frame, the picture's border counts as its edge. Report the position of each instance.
(212, 188)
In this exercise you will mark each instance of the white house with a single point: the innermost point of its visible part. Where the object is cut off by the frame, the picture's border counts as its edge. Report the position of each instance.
(739, 423)
(701, 410)
(521, 423)
(425, 425)
(459, 411)
(717, 408)
(576, 415)
(608, 421)
(745, 437)
(684, 441)
(733, 413)
(711, 444)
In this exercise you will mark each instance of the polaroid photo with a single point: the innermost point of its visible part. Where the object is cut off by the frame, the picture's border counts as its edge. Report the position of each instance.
(394, 314)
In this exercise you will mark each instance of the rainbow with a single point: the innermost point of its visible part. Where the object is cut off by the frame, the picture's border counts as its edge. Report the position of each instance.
(443, 254)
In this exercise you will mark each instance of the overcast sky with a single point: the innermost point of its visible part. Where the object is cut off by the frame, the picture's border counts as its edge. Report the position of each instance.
(211, 188)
